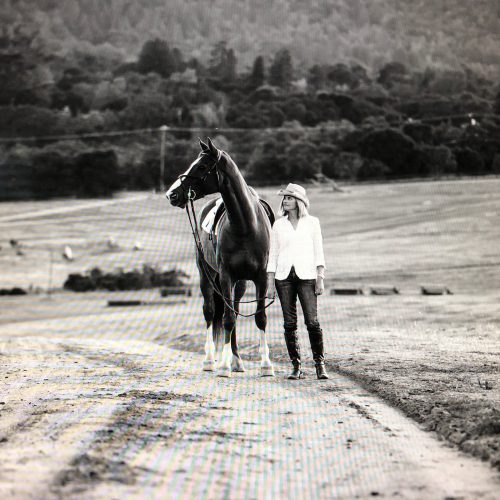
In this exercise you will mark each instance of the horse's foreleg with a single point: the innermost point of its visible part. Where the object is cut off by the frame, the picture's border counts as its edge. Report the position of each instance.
(224, 365)
(266, 367)
(209, 314)
(239, 291)
(209, 360)
(229, 322)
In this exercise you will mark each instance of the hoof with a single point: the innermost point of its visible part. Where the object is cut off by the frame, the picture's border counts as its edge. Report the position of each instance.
(266, 371)
(237, 366)
(208, 365)
(224, 372)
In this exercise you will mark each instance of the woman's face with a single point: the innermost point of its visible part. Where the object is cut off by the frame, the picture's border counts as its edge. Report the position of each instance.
(289, 203)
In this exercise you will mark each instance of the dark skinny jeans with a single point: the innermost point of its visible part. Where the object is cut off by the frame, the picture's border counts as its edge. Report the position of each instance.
(288, 291)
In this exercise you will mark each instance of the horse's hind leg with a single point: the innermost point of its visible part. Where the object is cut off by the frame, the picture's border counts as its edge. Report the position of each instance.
(266, 367)
(237, 363)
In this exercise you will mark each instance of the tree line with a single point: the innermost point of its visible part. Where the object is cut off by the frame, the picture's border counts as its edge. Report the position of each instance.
(337, 120)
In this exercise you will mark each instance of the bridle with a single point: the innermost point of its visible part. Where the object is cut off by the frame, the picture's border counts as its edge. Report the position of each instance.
(190, 194)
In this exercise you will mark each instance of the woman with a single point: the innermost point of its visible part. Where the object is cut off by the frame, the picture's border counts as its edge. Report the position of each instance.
(296, 268)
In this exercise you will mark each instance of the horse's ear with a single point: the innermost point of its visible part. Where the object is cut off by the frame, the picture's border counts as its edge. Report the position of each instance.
(203, 146)
(211, 147)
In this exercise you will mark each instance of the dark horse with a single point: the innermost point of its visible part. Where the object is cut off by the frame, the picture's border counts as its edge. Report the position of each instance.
(237, 253)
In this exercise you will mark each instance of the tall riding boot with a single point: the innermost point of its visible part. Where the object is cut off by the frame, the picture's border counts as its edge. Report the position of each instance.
(293, 346)
(316, 338)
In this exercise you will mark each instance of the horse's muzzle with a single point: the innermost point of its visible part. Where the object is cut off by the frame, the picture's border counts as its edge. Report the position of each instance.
(175, 200)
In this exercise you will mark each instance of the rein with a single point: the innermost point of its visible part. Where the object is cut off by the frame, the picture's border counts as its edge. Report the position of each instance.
(196, 235)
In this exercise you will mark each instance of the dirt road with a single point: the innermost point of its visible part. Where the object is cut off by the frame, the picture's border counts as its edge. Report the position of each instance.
(87, 410)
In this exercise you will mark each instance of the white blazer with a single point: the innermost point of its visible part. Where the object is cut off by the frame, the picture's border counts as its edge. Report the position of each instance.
(301, 248)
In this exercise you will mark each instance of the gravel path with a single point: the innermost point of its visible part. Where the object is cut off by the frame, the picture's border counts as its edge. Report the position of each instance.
(98, 418)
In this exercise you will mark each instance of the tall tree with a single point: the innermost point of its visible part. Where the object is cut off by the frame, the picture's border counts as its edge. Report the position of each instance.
(316, 77)
(25, 75)
(179, 63)
(223, 62)
(257, 77)
(281, 69)
(156, 57)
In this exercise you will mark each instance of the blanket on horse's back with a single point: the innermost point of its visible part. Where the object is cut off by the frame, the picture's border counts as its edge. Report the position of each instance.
(210, 224)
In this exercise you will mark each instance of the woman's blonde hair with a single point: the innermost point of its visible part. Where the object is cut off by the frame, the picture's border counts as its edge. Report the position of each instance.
(301, 206)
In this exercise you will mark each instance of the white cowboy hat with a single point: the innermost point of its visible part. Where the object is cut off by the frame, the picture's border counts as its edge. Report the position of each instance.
(296, 191)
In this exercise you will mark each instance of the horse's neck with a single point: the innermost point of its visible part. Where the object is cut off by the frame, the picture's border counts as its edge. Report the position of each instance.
(240, 203)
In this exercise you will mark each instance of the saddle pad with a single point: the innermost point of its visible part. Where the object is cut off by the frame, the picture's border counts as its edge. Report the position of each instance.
(208, 222)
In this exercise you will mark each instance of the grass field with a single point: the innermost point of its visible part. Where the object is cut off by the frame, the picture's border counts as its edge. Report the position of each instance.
(435, 357)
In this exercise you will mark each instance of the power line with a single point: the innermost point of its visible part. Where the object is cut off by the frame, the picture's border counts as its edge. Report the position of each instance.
(72, 137)
(317, 128)
(119, 133)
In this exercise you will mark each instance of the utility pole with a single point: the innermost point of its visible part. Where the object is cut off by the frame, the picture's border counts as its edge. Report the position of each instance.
(49, 284)
(163, 131)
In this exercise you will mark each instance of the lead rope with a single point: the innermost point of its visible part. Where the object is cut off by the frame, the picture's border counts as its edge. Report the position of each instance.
(196, 235)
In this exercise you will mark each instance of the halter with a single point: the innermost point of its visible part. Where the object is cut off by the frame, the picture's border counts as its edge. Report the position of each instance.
(193, 222)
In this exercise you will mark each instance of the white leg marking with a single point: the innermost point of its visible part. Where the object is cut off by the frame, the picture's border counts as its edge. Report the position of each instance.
(209, 361)
(266, 367)
(224, 366)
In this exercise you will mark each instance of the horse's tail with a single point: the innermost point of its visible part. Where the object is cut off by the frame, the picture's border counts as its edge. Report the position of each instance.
(217, 326)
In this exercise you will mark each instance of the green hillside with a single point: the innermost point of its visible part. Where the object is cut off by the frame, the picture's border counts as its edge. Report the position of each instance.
(418, 33)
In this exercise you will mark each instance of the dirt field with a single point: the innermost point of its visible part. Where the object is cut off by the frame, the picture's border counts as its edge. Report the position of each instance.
(94, 395)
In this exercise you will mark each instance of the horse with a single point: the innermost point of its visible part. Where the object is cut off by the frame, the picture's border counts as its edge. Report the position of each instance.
(237, 253)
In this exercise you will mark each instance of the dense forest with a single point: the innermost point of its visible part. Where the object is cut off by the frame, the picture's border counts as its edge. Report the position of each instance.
(348, 90)
(417, 33)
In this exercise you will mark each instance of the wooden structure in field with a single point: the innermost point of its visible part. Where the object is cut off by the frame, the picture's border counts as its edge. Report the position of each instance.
(346, 290)
(16, 181)
(435, 290)
(384, 290)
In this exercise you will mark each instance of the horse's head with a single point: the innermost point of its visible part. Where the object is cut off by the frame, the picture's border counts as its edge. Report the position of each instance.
(199, 179)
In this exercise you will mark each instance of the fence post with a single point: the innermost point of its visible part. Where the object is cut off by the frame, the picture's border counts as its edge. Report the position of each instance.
(163, 131)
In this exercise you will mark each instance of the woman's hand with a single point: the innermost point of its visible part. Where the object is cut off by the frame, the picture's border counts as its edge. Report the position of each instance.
(320, 285)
